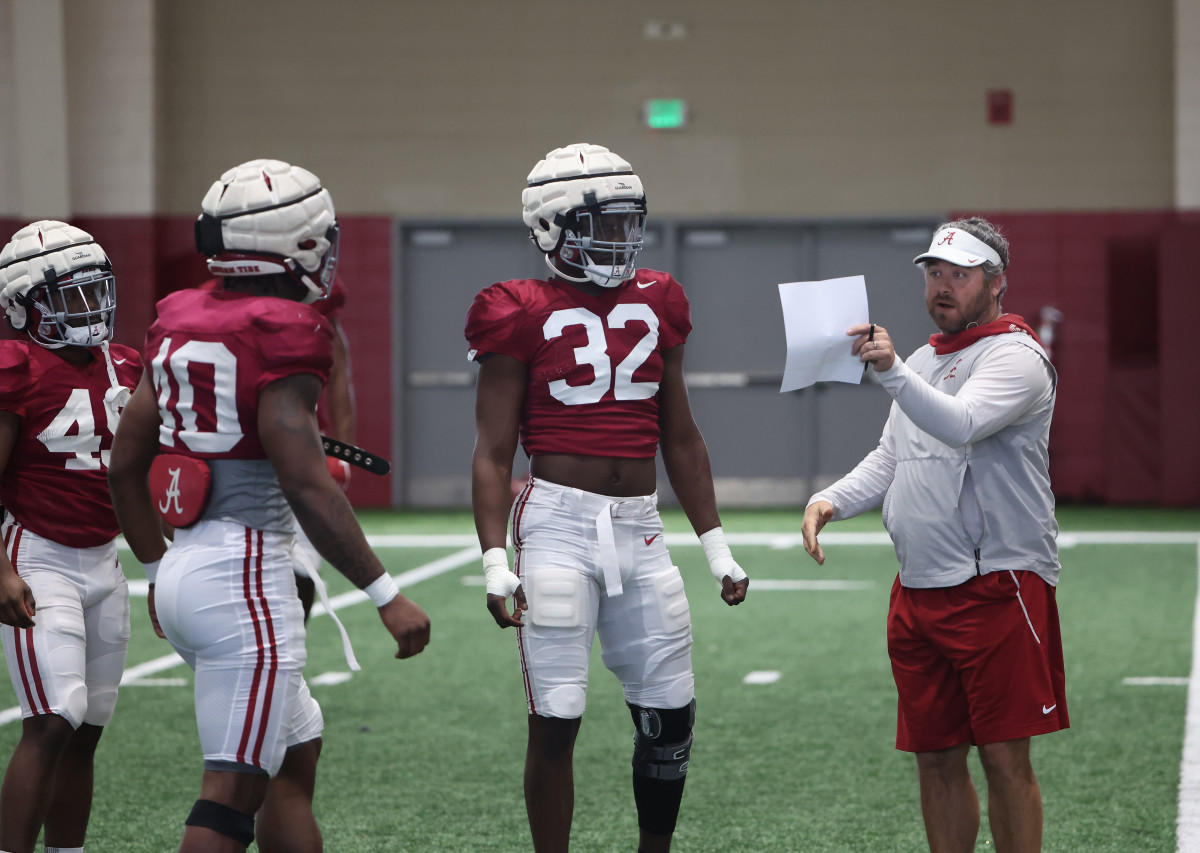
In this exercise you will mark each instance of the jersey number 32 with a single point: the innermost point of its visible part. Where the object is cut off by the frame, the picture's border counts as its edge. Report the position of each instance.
(595, 354)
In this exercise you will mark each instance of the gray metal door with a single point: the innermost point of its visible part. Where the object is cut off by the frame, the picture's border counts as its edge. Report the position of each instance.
(442, 267)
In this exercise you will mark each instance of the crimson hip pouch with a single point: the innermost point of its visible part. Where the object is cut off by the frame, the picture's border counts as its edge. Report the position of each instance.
(180, 486)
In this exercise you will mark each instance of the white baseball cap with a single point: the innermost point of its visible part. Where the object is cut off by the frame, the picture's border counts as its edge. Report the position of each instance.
(958, 247)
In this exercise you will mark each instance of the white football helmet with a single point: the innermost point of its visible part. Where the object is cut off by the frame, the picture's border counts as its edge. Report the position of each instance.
(586, 209)
(266, 217)
(57, 285)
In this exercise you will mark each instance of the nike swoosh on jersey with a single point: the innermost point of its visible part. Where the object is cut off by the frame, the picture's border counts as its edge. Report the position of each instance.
(650, 539)
(1046, 710)
(118, 361)
(644, 284)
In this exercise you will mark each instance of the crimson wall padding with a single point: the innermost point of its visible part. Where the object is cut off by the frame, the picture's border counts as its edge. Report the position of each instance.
(365, 267)
(1179, 387)
(1117, 277)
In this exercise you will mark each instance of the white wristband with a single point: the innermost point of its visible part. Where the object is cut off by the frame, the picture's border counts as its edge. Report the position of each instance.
(720, 558)
(382, 590)
(151, 569)
(498, 578)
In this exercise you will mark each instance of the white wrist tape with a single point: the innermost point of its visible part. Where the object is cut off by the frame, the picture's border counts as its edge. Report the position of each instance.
(382, 590)
(720, 558)
(500, 581)
(151, 570)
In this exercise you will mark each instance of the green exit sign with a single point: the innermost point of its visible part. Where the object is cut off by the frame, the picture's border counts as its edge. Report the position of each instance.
(665, 113)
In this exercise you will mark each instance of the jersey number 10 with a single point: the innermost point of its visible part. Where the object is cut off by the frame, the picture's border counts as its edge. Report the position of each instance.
(181, 414)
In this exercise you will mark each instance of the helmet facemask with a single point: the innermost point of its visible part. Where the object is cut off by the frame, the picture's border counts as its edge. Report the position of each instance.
(76, 309)
(602, 241)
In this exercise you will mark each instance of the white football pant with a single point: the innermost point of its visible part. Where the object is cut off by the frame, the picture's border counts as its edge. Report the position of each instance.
(70, 663)
(226, 599)
(593, 564)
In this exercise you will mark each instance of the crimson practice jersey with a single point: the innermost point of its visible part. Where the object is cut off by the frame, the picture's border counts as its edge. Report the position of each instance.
(211, 353)
(55, 482)
(594, 361)
(329, 307)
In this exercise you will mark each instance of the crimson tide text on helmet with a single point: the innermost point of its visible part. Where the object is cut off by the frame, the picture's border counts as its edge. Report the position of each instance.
(57, 285)
(266, 217)
(586, 210)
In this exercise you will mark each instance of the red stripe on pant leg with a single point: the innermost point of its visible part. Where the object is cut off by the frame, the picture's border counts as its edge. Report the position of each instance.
(248, 723)
(16, 544)
(37, 675)
(274, 664)
(521, 654)
(519, 511)
(14, 534)
(17, 632)
(518, 516)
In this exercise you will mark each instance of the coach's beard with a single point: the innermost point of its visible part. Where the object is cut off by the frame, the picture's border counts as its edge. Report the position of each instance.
(981, 310)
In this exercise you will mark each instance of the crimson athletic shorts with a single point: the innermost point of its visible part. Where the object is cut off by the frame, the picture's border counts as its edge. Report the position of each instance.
(976, 663)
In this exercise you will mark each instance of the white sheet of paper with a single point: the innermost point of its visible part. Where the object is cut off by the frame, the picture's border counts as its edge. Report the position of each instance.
(816, 315)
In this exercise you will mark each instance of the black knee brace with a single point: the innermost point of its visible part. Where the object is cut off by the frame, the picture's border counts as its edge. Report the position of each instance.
(662, 747)
(223, 819)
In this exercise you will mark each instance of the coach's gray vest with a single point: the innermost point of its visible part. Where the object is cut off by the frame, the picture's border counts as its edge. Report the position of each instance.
(1011, 477)
(247, 491)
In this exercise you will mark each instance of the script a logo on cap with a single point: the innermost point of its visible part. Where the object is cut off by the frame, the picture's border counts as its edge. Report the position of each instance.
(947, 240)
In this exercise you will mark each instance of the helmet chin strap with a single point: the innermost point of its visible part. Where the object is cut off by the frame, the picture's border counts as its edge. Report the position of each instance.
(554, 269)
(591, 274)
(117, 395)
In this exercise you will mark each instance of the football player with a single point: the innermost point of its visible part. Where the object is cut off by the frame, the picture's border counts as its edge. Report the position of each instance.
(232, 393)
(63, 595)
(337, 417)
(585, 368)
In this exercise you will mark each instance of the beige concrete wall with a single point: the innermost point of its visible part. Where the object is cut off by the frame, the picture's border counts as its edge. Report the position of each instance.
(9, 188)
(77, 92)
(1187, 104)
(110, 50)
(856, 107)
(42, 176)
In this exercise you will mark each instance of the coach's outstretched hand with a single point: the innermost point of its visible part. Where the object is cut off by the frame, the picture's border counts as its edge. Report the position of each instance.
(407, 623)
(816, 516)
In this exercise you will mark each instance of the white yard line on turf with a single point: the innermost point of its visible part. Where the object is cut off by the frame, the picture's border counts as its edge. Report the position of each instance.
(1187, 827)
(772, 585)
(412, 576)
(796, 540)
